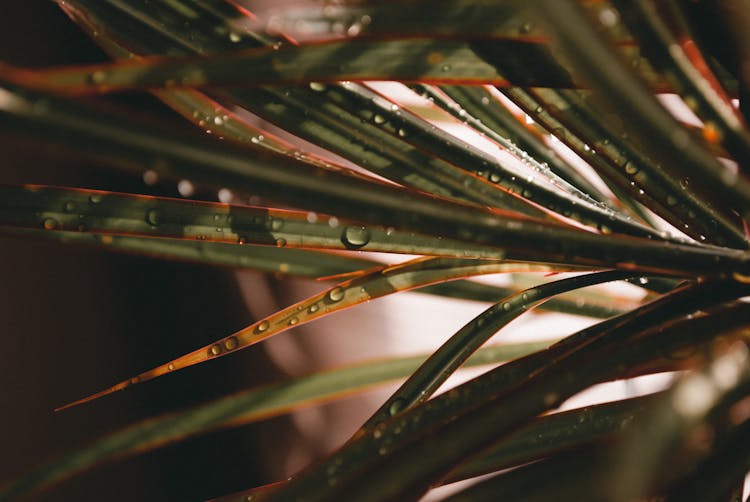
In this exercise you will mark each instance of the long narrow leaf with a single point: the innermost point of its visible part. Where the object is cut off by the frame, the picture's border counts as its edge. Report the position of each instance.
(243, 408)
(654, 127)
(382, 282)
(419, 424)
(312, 264)
(451, 354)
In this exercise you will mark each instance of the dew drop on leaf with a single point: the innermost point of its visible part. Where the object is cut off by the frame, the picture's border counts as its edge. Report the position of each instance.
(98, 77)
(355, 237)
(230, 343)
(336, 294)
(396, 406)
(49, 224)
(153, 217)
(630, 168)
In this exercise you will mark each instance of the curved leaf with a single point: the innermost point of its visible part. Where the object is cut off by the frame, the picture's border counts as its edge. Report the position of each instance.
(451, 354)
(242, 408)
(368, 458)
(381, 282)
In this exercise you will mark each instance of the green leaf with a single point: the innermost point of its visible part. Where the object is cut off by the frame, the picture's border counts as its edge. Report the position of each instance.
(311, 264)
(652, 126)
(381, 282)
(609, 149)
(239, 409)
(451, 354)
(453, 426)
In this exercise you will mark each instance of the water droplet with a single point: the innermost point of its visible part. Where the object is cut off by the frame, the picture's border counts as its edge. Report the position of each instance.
(263, 326)
(186, 188)
(98, 77)
(150, 177)
(313, 308)
(378, 119)
(445, 68)
(336, 294)
(231, 343)
(354, 30)
(608, 17)
(495, 177)
(95, 198)
(355, 237)
(506, 306)
(224, 195)
(49, 223)
(280, 243)
(396, 406)
(402, 132)
(630, 168)
(317, 86)
(153, 217)
(234, 37)
(333, 222)
(293, 321)
(605, 229)
(215, 350)
(170, 366)
(312, 217)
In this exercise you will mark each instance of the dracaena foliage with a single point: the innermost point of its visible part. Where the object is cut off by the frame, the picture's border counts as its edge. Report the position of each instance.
(607, 142)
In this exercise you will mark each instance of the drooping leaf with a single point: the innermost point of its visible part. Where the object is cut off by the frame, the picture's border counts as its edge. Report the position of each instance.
(243, 408)
(451, 354)
(369, 459)
(554, 433)
(669, 45)
(651, 125)
(359, 126)
(381, 282)
(291, 181)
